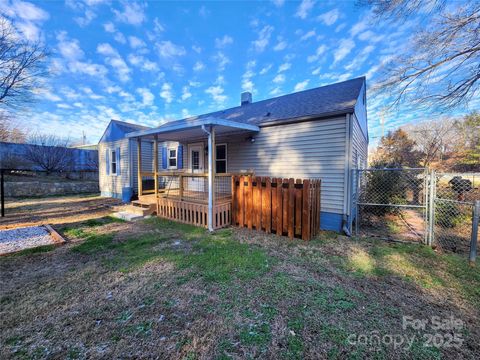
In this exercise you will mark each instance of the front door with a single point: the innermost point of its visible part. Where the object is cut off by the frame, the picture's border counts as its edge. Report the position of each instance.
(195, 164)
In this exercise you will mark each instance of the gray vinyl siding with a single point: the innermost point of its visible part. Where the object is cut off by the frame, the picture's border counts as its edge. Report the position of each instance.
(313, 149)
(112, 184)
(359, 145)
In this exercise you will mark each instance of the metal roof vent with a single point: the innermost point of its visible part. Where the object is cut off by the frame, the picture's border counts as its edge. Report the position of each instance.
(246, 98)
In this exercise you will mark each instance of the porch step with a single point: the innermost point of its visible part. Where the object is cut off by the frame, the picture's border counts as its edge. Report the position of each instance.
(141, 210)
(127, 216)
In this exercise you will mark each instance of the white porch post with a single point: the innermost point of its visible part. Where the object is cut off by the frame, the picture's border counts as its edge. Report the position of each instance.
(211, 176)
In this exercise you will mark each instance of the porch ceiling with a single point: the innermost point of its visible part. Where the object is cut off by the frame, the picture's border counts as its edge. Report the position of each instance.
(193, 129)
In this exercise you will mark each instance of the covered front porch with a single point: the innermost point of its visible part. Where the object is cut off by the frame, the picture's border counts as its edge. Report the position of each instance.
(199, 193)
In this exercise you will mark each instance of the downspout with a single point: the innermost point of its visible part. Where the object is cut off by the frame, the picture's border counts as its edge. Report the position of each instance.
(211, 176)
(348, 158)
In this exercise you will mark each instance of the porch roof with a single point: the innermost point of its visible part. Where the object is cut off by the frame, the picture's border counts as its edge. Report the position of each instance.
(192, 128)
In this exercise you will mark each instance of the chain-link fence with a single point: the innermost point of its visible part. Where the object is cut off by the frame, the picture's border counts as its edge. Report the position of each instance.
(454, 200)
(418, 205)
(392, 204)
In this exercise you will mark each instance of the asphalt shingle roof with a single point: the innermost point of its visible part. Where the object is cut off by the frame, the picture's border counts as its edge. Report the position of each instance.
(334, 98)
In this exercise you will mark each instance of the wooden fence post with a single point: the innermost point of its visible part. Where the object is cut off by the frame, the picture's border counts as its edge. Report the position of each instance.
(298, 208)
(306, 210)
(267, 200)
(257, 199)
(279, 207)
(291, 207)
(249, 211)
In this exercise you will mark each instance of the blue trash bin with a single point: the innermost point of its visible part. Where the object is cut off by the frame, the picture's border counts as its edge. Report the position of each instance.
(127, 193)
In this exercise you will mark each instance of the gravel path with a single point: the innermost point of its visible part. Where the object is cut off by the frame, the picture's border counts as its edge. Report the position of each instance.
(23, 238)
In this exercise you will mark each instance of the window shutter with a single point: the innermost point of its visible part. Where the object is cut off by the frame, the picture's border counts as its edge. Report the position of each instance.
(180, 157)
(107, 161)
(164, 158)
(117, 152)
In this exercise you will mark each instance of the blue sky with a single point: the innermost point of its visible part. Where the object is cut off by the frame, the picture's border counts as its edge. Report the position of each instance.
(153, 62)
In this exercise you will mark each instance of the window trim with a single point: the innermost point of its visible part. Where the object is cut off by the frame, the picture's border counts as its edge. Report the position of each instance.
(169, 157)
(113, 160)
(226, 157)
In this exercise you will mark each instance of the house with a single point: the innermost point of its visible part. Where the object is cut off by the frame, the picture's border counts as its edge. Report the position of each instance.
(316, 133)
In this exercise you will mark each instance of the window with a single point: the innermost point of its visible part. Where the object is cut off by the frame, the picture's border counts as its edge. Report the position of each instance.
(113, 163)
(172, 158)
(195, 160)
(221, 159)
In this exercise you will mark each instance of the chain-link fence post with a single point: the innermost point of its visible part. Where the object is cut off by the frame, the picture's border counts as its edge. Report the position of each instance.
(431, 208)
(474, 236)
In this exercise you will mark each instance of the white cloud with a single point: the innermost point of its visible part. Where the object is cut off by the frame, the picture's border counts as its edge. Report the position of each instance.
(370, 36)
(133, 13)
(278, 3)
(265, 69)
(88, 68)
(136, 42)
(109, 27)
(185, 113)
(279, 79)
(82, 21)
(284, 67)
(330, 17)
(222, 60)
(28, 11)
(69, 48)
(113, 89)
(199, 66)
(344, 48)
(197, 49)
(113, 58)
(167, 49)
(316, 71)
(276, 91)
(158, 27)
(51, 97)
(359, 26)
(263, 38)
(247, 83)
(73, 54)
(220, 43)
(280, 46)
(142, 63)
(308, 35)
(319, 52)
(147, 96)
(27, 17)
(64, 106)
(304, 8)
(216, 92)
(120, 38)
(186, 94)
(301, 85)
(166, 93)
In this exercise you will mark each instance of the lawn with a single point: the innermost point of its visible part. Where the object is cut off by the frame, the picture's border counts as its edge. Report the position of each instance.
(157, 289)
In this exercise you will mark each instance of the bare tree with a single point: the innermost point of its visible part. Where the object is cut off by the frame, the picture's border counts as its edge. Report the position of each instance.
(50, 153)
(440, 65)
(434, 139)
(22, 66)
(9, 132)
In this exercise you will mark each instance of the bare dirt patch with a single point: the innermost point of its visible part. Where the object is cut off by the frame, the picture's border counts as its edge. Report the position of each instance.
(55, 210)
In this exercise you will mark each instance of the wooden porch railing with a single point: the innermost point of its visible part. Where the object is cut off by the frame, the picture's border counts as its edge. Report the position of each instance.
(186, 186)
(284, 207)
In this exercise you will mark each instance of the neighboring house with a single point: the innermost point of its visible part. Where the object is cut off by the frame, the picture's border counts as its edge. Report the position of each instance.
(317, 133)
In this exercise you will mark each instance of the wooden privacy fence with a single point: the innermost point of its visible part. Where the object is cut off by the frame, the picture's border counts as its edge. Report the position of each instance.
(284, 207)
